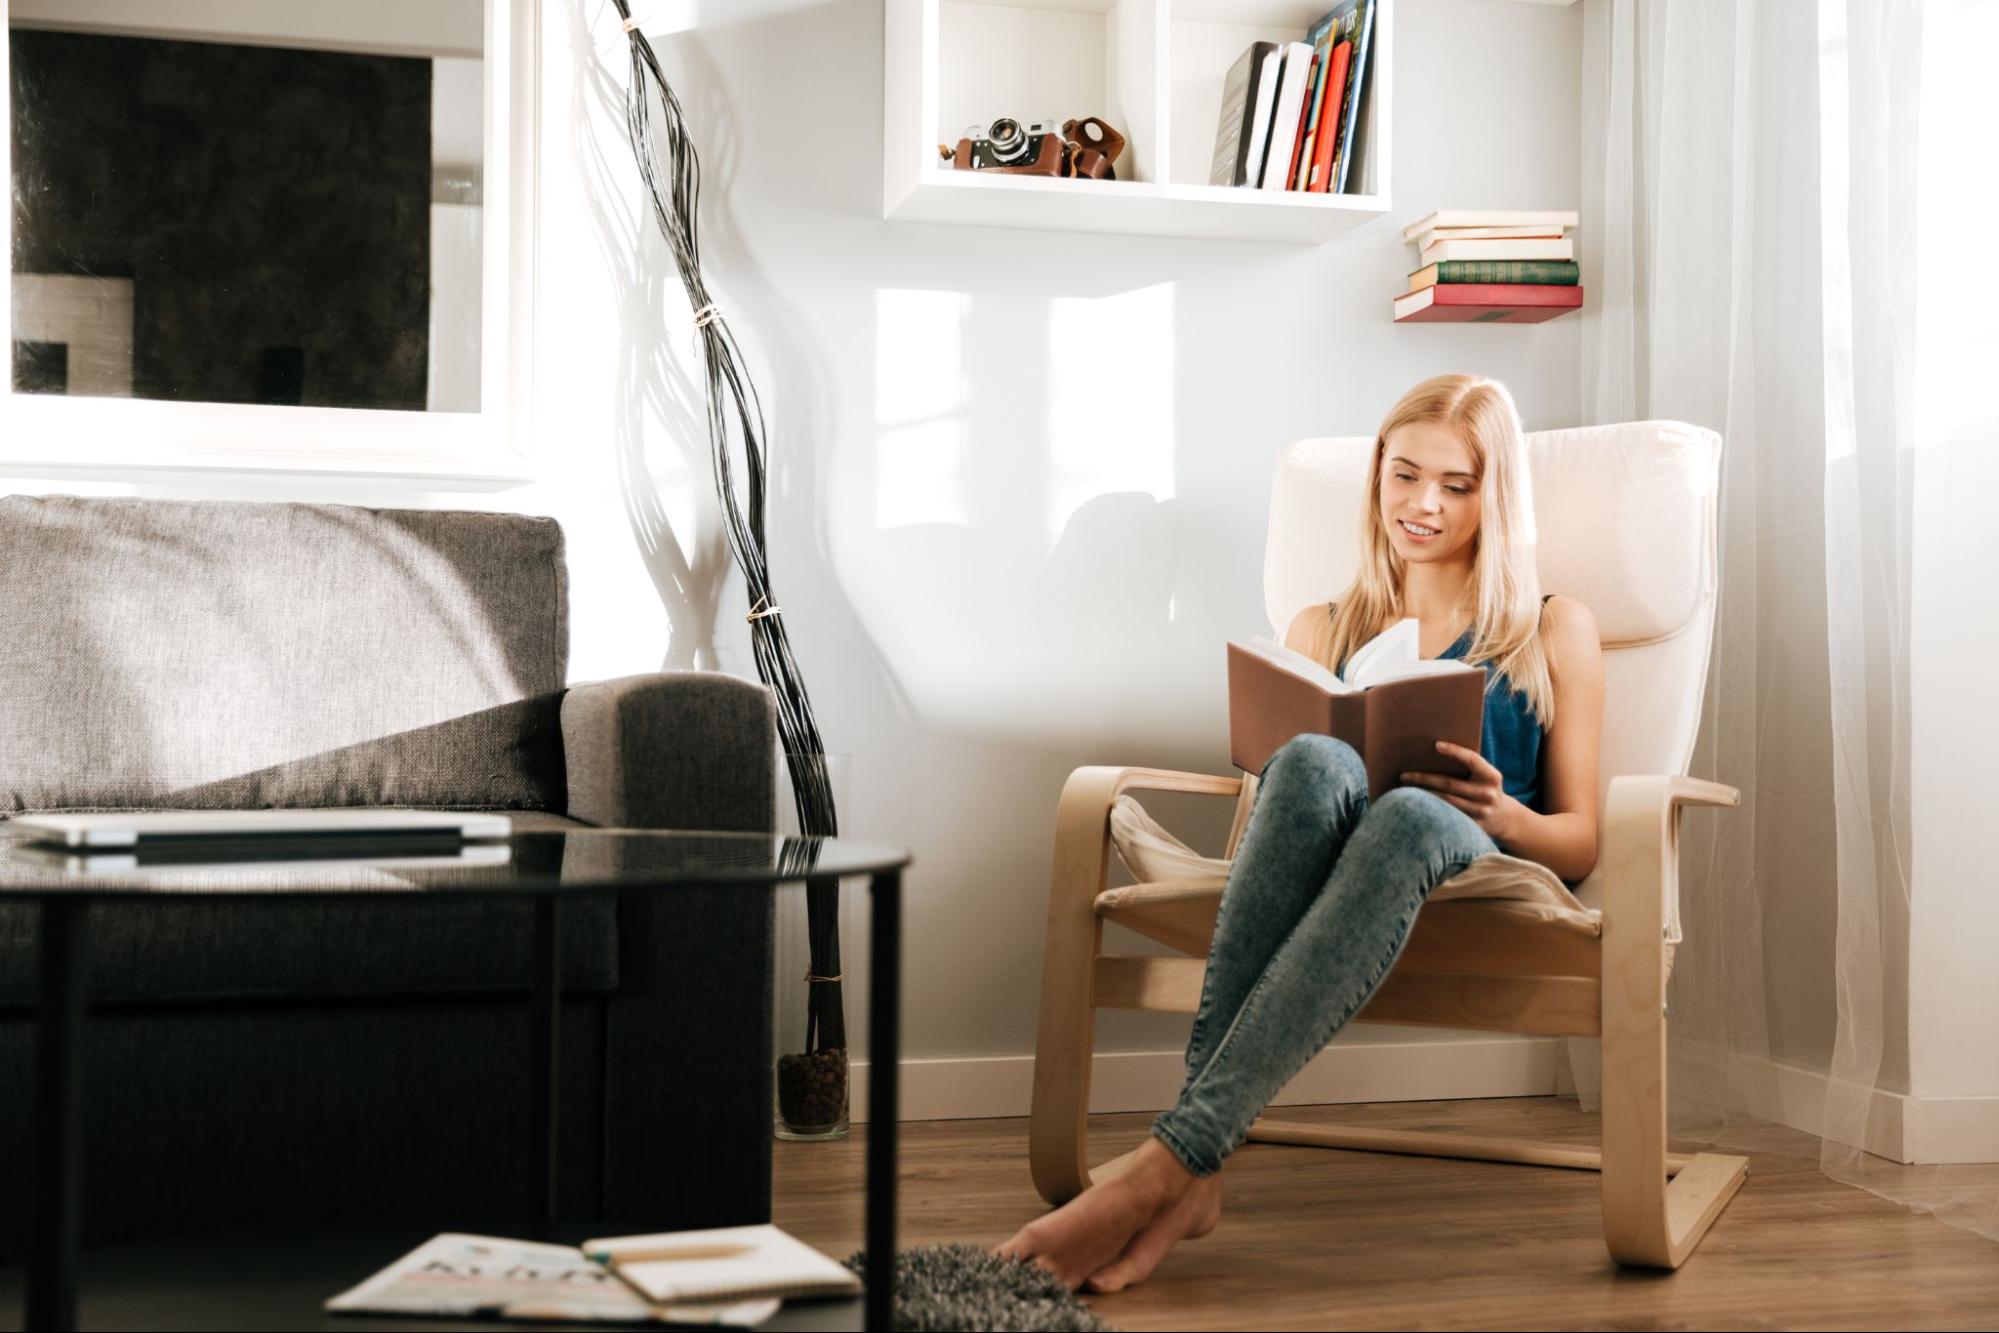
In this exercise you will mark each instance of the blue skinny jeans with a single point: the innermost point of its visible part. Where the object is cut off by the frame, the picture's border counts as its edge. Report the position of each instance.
(1320, 900)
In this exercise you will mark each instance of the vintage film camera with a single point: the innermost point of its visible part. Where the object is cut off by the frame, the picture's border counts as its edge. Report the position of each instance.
(1086, 147)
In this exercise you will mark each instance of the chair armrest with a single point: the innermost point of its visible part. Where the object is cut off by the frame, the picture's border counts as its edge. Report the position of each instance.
(1676, 790)
(672, 749)
(1083, 821)
(1640, 873)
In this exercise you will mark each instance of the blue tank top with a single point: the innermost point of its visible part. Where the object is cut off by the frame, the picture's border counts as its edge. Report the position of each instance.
(1510, 737)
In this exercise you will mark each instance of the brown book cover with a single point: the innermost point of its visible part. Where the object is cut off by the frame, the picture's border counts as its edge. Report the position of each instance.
(1394, 726)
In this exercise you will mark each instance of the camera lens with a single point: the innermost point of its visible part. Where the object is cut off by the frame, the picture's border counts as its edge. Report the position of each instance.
(1008, 143)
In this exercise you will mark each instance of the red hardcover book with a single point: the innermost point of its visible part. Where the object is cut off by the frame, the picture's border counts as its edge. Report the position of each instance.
(1304, 116)
(1486, 303)
(1328, 138)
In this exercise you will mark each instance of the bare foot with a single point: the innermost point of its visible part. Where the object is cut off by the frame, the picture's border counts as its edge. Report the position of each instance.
(1093, 1229)
(1194, 1216)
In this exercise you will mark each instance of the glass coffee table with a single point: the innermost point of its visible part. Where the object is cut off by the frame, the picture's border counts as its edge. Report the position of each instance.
(275, 1281)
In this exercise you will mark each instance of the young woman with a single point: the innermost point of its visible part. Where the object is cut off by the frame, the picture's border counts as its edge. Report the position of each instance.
(1326, 885)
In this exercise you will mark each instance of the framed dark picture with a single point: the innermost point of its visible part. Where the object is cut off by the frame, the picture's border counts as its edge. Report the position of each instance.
(261, 235)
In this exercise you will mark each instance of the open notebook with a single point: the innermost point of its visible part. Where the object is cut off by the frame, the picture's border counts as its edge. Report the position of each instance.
(722, 1263)
(490, 1277)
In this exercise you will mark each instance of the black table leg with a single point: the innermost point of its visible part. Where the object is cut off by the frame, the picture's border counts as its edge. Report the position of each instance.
(544, 1064)
(884, 1052)
(57, 1204)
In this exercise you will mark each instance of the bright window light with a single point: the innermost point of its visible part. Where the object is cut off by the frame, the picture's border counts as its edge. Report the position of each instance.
(1957, 345)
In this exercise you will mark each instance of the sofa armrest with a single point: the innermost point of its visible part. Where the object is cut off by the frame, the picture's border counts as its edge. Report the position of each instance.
(687, 1036)
(672, 749)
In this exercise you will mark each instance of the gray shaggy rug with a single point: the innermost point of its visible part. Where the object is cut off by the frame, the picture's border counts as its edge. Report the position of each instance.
(946, 1288)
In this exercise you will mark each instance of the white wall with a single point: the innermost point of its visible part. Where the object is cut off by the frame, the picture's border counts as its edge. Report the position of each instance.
(1954, 627)
(1954, 733)
(1019, 480)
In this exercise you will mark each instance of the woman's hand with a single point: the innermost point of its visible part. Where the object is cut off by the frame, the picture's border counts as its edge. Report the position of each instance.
(1482, 795)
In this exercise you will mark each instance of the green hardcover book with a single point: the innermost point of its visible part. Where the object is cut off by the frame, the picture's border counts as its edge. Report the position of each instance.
(1539, 272)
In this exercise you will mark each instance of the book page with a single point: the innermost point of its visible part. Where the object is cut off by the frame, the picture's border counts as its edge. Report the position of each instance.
(1394, 645)
(1394, 654)
(767, 1261)
(1298, 664)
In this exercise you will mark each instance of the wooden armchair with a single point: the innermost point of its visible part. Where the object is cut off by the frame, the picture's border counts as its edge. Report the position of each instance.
(1626, 518)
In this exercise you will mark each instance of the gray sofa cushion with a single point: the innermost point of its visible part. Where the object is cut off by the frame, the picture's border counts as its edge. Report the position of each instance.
(230, 655)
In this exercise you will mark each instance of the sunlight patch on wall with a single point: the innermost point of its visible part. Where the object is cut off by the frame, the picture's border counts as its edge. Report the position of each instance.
(920, 406)
(1110, 399)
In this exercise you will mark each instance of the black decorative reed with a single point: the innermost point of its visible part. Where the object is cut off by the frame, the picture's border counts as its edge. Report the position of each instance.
(674, 183)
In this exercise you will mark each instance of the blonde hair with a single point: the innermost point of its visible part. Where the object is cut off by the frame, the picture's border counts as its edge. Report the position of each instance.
(1505, 587)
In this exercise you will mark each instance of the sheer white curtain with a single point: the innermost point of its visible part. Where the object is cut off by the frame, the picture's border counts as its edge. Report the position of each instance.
(1908, 99)
(1756, 181)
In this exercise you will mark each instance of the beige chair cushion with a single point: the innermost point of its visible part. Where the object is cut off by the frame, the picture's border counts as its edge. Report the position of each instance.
(1528, 890)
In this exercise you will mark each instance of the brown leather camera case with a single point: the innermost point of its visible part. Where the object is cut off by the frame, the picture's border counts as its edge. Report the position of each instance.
(1048, 162)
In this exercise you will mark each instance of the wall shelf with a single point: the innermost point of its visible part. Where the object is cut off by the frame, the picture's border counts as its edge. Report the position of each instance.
(1152, 68)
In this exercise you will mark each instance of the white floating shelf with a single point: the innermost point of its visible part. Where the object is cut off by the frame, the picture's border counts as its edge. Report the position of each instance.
(1138, 208)
(1152, 68)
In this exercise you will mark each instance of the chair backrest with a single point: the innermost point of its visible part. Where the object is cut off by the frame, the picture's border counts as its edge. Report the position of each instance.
(1625, 518)
(213, 654)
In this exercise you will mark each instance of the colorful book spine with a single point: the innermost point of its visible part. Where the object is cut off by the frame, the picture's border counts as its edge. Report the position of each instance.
(1486, 303)
(1355, 103)
(1544, 272)
(1320, 176)
(1305, 125)
(1320, 38)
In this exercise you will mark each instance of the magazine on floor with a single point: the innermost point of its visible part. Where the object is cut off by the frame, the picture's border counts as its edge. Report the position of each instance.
(487, 1277)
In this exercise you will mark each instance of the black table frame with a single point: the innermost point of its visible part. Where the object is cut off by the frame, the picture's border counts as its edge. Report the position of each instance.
(62, 990)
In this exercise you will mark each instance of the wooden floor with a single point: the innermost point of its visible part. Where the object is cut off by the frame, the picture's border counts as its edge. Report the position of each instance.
(1313, 1238)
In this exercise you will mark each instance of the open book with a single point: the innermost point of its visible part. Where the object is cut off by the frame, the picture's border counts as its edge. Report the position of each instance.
(1392, 707)
(722, 1264)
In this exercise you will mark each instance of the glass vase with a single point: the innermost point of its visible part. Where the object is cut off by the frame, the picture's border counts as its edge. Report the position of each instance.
(811, 1075)
(811, 1086)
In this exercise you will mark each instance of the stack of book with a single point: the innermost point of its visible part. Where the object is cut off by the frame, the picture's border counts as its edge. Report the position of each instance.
(1291, 112)
(1484, 267)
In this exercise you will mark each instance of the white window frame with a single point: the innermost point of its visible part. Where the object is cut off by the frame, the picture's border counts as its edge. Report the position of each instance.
(40, 433)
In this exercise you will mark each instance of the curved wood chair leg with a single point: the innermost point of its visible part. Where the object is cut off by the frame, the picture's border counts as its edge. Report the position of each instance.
(1646, 1220)
(1058, 1124)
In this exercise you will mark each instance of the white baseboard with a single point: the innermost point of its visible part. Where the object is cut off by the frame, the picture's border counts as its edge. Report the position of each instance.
(1402, 1066)
(1382, 1064)
(1895, 1125)
(1953, 1129)
(1900, 1126)
(1794, 1095)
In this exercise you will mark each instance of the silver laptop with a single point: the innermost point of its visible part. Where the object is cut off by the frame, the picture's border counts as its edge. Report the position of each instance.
(146, 826)
(172, 856)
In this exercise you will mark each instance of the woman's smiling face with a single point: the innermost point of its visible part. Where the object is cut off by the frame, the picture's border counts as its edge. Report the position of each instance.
(1429, 497)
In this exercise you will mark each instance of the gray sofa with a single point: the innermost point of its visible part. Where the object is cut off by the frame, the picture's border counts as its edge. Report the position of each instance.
(265, 1062)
